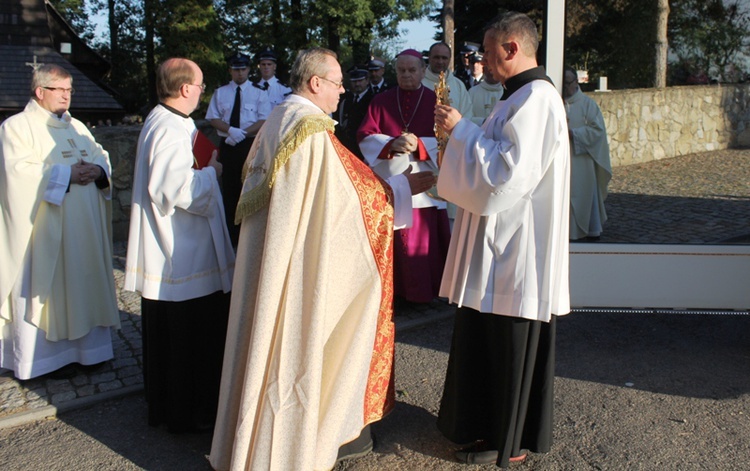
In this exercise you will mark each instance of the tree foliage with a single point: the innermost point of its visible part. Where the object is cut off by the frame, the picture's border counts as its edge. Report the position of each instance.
(77, 13)
(610, 38)
(616, 38)
(191, 29)
(347, 27)
(709, 38)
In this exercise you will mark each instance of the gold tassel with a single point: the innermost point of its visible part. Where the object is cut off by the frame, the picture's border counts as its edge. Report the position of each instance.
(258, 197)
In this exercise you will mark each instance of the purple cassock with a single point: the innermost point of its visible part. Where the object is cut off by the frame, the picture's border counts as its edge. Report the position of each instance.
(420, 251)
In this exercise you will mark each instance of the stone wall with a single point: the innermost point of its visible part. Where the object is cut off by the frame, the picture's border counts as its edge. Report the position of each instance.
(650, 124)
(643, 125)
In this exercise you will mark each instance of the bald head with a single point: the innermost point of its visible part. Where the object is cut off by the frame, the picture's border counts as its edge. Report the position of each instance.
(172, 74)
(179, 84)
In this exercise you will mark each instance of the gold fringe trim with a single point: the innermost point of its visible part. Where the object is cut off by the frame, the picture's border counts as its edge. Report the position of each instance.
(257, 198)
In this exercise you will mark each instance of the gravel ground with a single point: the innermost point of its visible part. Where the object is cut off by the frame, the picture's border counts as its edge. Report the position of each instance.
(633, 391)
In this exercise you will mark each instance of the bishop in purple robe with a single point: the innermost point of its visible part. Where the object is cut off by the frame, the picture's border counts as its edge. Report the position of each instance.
(398, 133)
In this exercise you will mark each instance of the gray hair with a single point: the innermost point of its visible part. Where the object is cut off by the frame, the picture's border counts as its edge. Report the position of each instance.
(518, 26)
(309, 63)
(46, 74)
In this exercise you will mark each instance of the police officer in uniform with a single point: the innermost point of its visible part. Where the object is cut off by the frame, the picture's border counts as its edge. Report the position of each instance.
(237, 111)
(376, 70)
(268, 82)
(464, 71)
(476, 70)
(352, 108)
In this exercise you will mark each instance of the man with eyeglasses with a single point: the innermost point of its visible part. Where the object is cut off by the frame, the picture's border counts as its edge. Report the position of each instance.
(57, 292)
(309, 352)
(237, 111)
(180, 258)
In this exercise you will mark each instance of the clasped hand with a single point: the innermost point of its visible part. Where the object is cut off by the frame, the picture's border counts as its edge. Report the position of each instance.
(83, 173)
(405, 143)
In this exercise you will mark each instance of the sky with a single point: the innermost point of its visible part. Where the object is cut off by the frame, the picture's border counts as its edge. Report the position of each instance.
(420, 34)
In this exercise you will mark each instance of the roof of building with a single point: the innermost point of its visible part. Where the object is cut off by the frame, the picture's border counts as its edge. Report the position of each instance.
(35, 32)
(15, 78)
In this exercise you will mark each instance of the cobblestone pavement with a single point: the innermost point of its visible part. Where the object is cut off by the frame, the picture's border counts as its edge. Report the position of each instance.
(700, 198)
(694, 199)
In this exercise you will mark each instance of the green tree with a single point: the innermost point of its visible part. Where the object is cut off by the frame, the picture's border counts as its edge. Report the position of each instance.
(613, 38)
(126, 53)
(349, 27)
(192, 29)
(709, 37)
(78, 14)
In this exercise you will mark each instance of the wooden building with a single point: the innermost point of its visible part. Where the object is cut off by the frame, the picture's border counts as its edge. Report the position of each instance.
(32, 33)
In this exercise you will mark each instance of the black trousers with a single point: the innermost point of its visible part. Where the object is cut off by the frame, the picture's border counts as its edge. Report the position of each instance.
(232, 159)
(183, 351)
(499, 386)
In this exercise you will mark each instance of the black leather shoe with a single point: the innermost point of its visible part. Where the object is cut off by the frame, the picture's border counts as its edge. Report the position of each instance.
(477, 453)
(477, 457)
(360, 446)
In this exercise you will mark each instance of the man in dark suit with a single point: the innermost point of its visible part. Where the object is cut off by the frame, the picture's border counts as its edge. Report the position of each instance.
(352, 108)
(376, 70)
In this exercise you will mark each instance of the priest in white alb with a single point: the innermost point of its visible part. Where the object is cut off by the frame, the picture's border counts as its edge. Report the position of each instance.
(57, 290)
(591, 170)
(438, 60)
(180, 258)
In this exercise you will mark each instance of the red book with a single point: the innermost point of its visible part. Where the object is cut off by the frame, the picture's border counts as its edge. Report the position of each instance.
(202, 150)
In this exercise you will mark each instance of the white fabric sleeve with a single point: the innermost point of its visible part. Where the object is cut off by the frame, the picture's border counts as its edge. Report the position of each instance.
(402, 210)
(173, 183)
(485, 176)
(58, 184)
(371, 146)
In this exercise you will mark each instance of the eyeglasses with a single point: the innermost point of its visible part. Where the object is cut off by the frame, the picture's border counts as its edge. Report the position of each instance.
(337, 84)
(60, 90)
(202, 86)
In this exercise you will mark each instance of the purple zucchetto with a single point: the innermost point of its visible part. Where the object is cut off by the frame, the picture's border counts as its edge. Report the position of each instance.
(410, 52)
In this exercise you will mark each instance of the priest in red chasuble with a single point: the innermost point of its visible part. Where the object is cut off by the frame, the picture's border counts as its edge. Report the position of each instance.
(396, 133)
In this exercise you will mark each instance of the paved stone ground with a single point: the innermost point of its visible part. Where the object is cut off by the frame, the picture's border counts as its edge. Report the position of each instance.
(694, 199)
(700, 198)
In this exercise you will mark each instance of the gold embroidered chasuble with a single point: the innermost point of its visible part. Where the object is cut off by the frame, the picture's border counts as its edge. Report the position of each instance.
(309, 354)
